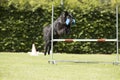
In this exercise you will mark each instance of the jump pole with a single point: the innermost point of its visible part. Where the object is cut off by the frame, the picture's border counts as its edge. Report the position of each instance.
(117, 42)
(85, 40)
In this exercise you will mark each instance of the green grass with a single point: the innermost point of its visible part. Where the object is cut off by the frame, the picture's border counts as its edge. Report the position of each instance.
(26, 67)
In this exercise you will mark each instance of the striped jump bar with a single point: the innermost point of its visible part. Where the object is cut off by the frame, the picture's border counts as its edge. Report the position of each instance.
(85, 40)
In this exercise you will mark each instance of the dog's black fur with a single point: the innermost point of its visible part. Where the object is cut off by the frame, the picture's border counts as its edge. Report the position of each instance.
(59, 28)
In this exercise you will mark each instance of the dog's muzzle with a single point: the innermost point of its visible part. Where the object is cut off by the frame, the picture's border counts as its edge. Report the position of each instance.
(73, 21)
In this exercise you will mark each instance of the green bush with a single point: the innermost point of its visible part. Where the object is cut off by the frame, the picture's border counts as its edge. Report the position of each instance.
(21, 25)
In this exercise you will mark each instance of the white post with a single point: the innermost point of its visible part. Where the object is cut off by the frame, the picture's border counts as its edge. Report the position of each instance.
(62, 2)
(52, 33)
(117, 32)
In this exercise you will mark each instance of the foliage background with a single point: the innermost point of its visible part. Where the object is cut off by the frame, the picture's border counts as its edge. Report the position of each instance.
(22, 22)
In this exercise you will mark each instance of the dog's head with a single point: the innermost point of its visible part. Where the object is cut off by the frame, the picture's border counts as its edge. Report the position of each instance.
(68, 20)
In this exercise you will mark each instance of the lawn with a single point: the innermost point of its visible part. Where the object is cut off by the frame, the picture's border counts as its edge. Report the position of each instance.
(25, 67)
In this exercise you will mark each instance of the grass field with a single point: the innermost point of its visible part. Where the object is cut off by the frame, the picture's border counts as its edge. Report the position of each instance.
(26, 67)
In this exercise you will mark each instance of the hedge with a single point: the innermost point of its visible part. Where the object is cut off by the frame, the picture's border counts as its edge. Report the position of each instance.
(20, 28)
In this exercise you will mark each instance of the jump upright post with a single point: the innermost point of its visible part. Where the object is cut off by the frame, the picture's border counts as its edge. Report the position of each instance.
(117, 33)
(85, 40)
(52, 32)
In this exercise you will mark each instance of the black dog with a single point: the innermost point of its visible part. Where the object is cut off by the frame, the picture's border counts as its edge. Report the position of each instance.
(60, 26)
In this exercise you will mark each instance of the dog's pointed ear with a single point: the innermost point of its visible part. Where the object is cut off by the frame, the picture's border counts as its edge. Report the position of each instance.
(66, 13)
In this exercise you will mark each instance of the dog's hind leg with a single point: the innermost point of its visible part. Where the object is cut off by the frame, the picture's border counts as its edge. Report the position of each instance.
(46, 48)
(49, 48)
